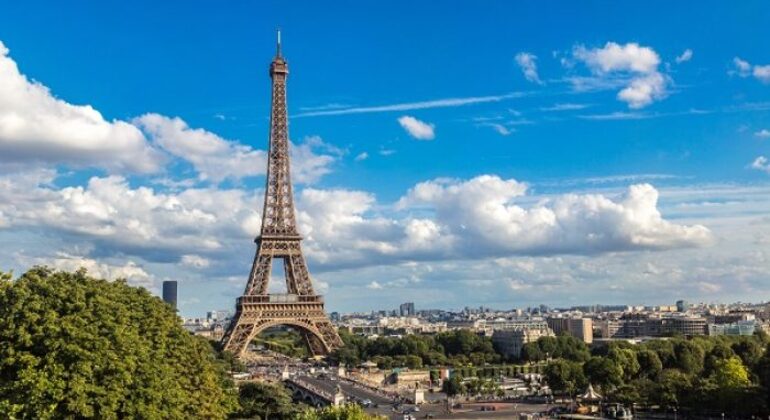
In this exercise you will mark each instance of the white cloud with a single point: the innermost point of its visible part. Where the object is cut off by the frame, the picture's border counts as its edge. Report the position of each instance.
(761, 163)
(213, 157)
(408, 106)
(129, 270)
(614, 57)
(121, 219)
(762, 73)
(565, 107)
(642, 91)
(374, 286)
(361, 156)
(745, 69)
(194, 261)
(481, 211)
(763, 133)
(37, 127)
(635, 65)
(684, 57)
(217, 159)
(500, 128)
(742, 66)
(528, 65)
(416, 128)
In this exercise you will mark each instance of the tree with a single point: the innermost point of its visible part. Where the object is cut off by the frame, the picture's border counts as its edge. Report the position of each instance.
(345, 412)
(730, 373)
(72, 346)
(265, 401)
(604, 372)
(626, 360)
(650, 365)
(672, 385)
(565, 376)
(453, 386)
(689, 357)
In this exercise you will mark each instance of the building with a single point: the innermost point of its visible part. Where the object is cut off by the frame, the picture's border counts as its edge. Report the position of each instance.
(580, 328)
(644, 326)
(738, 328)
(511, 342)
(169, 292)
(682, 306)
(406, 309)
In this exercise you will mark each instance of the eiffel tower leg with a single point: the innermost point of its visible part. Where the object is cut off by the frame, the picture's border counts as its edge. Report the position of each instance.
(329, 334)
(238, 336)
(314, 344)
(260, 274)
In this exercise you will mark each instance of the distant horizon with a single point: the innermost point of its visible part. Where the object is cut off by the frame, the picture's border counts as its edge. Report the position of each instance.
(497, 155)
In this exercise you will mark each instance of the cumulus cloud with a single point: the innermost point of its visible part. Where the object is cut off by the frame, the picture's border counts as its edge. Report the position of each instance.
(119, 219)
(361, 156)
(684, 57)
(416, 128)
(482, 211)
(743, 68)
(129, 270)
(37, 127)
(528, 64)
(763, 133)
(761, 164)
(194, 261)
(631, 64)
(217, 159)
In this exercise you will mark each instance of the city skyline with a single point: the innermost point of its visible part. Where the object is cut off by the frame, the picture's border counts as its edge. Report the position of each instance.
(617, 163)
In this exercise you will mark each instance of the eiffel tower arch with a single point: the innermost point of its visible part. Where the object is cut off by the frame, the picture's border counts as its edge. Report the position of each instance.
(300, 307)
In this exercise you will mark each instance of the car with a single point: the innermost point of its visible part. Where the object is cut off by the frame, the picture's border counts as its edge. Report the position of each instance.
(366, 402)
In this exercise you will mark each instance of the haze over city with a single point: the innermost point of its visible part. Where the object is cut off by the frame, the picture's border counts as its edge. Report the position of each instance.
(452, 157)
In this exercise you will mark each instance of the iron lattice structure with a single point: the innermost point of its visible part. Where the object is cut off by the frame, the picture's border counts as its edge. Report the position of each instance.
(300, 307)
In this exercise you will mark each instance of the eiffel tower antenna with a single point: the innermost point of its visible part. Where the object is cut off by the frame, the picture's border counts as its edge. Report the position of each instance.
(278, 44)
(300, 307)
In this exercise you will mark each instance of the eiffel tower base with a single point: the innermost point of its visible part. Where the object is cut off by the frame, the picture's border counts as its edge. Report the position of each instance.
(255, 313)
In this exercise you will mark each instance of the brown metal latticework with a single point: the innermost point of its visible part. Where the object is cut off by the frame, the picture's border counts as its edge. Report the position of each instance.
(257, 310)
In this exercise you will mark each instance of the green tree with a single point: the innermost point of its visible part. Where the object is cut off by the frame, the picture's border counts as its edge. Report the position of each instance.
(453, 386)
(345, 412)
(689, 357)
(650, 365)
(626, 360)
(604, 372)
(265, 401)
(72, 346)
(730, 373)
(565, 376)
(672, 386)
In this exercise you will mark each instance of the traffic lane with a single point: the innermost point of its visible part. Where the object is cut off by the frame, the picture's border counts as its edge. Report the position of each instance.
(347, 388)
(363, 393)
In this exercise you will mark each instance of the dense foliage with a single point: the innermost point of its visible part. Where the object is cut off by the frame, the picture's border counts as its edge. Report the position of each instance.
(346, 412)
(457, 348)
(285, 341)
(563, 346)
(266, 401)
(700, 375)
(72, 346)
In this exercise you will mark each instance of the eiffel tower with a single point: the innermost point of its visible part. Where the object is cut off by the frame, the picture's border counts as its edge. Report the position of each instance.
(300, 307)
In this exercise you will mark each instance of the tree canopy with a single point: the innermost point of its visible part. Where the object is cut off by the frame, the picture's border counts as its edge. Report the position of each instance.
(72, 346)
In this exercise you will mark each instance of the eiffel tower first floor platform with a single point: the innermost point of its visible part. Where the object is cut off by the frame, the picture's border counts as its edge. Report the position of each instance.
(255, 313)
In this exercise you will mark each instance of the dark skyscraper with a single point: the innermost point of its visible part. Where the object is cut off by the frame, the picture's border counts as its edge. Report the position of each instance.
(169, 292)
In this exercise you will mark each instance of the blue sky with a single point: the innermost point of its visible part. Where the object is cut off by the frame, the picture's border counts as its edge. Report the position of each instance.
(449, 154)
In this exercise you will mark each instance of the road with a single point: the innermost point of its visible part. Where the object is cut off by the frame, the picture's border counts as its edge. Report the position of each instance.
(393, 410)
